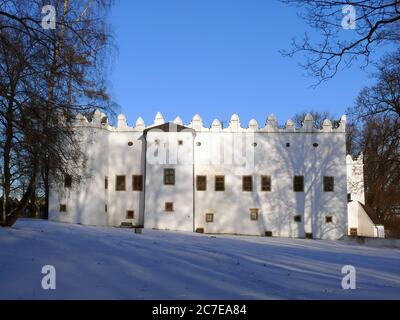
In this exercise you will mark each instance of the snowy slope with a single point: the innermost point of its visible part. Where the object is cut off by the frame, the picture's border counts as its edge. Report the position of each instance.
(112, 263)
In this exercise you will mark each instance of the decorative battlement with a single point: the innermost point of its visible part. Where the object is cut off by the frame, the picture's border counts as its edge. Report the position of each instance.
(99, 120)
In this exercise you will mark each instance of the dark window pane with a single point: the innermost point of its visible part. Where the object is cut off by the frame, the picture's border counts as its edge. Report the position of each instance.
(63, 207)
(169, 206)
(298, 184)
(68, 181)
(297, 218)
(266, 183)
(105, 182)
(169, 176)
(219, 183)
(120, 183)
(130, 214)
(328, 184)
(209, 217)
(201, 182)
(137, 183)
(247, 183)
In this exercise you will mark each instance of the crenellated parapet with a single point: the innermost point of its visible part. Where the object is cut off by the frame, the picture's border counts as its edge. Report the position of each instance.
(100, 120)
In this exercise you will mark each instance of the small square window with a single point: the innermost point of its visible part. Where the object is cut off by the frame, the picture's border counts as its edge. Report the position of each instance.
(328, 184)
(68, 181)
(328, 219)
(120, 184)
(353, 232)
(209, 217)
(137, 183)
(297, 218)
(201, 183)
(287, 144)
(180, 142)
(266, 183)
(169, 206)
(169, 177)
(63, 207)
(253, 214)
(130, 214)
(247, 183)
(298, 184)
(219, 183)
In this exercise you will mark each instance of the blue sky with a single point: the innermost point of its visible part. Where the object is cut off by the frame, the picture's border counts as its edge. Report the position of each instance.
(215, 58)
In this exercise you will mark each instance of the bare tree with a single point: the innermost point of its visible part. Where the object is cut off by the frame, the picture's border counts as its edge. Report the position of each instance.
(46, 78)
(375, 23)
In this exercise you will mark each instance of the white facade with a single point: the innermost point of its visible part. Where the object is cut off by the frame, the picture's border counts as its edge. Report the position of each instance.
(236, 153)
(360, 223)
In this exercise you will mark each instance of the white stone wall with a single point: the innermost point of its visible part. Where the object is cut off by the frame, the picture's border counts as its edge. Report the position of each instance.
(233, 151)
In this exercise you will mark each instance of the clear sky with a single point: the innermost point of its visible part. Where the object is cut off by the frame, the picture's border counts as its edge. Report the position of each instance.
(215, 58)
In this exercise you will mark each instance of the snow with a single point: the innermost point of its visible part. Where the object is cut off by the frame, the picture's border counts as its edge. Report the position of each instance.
(115, 263)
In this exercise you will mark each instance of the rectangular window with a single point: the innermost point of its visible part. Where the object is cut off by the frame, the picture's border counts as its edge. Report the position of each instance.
(298, 183)
(247, 183)
(328, 184)
(130, 214)
(63, 207)
(328, 219)
(201, 183)
(219, 183)
(254, 214)
(209, 217)
(105, 207)
(348, 197)
(120, 183)
(169, 206)
(68, 181)
(169, 177)
(137, 183)
(353, 232)
(105, 182)
(297, 218)
(265, 183)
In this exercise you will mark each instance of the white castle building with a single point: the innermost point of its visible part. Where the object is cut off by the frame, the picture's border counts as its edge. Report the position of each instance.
(271, 180)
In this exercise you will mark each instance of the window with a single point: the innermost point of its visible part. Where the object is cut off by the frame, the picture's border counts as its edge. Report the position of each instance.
(180, 142)
(137, 183)
(201, 183)
(253, 214)
(348, 197)
(268, 233)
(219, 183)
(265, 183)
(68, 181)
(309, 235)
(298, 184)
(209, 217)
(105, 207)
(130, 143)
(353, 232)
(287, 144)
(130, 214)
(169, 177)
(328, 184)
(63, 207)
(200, 230)
(105, 182)
(297, 218)
(328, 219)
(120, 183)
(169, 206)
(247, 183)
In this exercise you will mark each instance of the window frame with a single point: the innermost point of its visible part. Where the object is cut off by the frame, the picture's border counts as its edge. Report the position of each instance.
(329, 184)
(128, 214)
(117, 186)
(269, 184)
(252, 212)
(169, 206)
(137, 182)
(198, 183)
(209, 220)
(296, 184)
(219, 183)
(169, 173)
(247, 183)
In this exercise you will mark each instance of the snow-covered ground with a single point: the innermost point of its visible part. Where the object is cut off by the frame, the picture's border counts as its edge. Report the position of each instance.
(113, 263)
